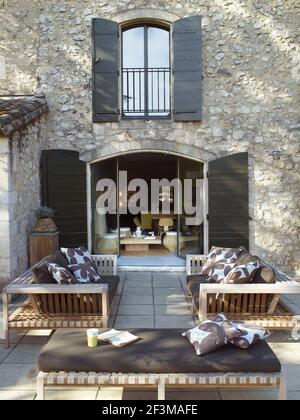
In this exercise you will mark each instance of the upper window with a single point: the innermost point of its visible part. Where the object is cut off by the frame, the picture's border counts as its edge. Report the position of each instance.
(132, 76)
(146, 72)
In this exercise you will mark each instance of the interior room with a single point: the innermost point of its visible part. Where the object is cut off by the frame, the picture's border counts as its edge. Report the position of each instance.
(147, 233)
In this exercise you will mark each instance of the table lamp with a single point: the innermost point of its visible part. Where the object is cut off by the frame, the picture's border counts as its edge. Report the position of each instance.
(166, 222)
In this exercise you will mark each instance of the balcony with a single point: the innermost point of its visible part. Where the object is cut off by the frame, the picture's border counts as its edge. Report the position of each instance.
(146, 92)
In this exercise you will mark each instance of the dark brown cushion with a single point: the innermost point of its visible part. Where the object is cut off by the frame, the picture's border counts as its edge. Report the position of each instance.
(113, 283)
(159, 351)
(265, 275)
(194, 288)
(195, 279)
(41, 275)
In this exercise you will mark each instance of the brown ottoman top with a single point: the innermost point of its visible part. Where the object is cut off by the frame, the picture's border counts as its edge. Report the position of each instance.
(159, 351)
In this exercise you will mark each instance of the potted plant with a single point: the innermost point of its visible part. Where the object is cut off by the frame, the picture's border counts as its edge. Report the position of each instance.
(45, 221)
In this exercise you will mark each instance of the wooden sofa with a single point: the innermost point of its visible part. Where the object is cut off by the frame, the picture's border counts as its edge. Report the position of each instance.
(258, 304)
(51, 306)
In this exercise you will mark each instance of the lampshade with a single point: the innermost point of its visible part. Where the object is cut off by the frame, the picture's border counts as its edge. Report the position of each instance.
(165, 221)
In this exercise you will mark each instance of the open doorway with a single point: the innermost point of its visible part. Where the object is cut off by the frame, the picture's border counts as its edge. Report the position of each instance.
(152, 231)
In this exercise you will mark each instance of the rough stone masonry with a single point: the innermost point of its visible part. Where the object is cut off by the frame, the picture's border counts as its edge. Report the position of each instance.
(251, 82)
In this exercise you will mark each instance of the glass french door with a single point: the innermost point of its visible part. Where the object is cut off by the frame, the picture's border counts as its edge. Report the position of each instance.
(187, 219)
(105, 227)
(190, 223)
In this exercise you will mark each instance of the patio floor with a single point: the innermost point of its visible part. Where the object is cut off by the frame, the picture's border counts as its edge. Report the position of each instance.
(148, 300)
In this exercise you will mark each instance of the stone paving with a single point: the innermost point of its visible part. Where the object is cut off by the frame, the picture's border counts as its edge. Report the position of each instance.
(147, 300)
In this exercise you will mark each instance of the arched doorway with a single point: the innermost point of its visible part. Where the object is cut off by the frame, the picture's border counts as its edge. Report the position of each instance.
(156, 206)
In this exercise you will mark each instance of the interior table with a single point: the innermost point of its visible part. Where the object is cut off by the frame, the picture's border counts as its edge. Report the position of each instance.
(140, 244)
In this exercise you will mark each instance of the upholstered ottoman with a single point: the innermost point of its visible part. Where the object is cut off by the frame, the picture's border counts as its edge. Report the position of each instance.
(161, 358)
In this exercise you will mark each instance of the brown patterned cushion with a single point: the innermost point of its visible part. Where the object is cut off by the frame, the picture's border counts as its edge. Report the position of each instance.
(208, 336)
(85, 272)
(216, 254)
(194, 288)
(242, 274)
(78, 256)
(220, 271)
(264, 275)
(60, 274)
(245, 258)
(244, 336)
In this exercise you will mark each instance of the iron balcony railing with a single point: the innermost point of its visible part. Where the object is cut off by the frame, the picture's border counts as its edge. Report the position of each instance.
(146, 91)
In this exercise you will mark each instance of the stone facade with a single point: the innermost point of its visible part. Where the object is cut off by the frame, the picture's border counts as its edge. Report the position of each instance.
(251, 70)
(20, 196)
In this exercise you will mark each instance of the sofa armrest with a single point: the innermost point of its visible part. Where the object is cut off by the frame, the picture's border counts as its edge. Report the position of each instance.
(55, 288)
(107, 264)
(277, 288)
(194, 263)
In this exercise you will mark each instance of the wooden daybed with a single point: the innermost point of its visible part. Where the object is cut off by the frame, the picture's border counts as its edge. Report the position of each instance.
(258, 304)
(161, 359)
(51, 306)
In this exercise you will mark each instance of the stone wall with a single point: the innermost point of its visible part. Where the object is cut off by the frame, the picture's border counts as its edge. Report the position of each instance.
(26, 147)
(19, 40)
(251, 95)
(20, 196)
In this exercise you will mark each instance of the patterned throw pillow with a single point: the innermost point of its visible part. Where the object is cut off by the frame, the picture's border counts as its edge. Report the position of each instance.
(220, 271)
(243, 335)
(208, 336)
(85, 272)
(242, 274)
(60, 274)
(77, 256)
(216, 254)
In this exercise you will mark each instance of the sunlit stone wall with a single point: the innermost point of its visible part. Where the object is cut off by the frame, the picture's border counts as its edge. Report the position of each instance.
(251, 70)
(19, 196)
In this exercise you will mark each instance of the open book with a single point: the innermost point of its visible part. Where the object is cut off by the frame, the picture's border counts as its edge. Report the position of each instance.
(118, 338)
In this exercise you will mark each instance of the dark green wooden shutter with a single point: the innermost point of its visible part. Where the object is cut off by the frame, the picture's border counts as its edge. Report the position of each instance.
(187, 69)
(64, 190)
(228, 201)
(105, 70)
